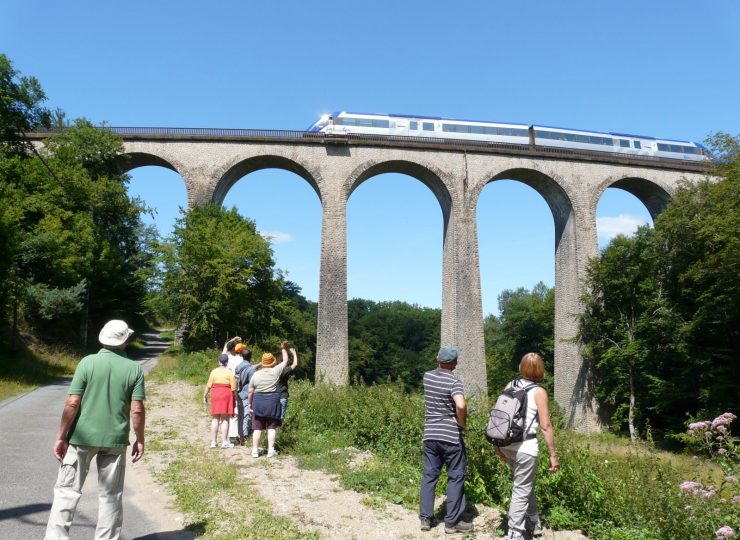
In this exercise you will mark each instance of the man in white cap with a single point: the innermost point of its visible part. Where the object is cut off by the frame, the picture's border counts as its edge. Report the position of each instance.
(98, 426)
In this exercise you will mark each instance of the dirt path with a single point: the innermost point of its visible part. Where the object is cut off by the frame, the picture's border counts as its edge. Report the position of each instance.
(313, 499)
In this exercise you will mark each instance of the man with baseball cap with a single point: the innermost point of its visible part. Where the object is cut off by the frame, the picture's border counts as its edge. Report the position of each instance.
(445, 418)
(106, 389)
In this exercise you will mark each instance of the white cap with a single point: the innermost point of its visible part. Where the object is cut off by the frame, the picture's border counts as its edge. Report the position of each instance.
(114, 333)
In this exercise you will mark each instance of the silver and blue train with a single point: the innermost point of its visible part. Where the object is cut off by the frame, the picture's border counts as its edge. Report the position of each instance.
(496, 132)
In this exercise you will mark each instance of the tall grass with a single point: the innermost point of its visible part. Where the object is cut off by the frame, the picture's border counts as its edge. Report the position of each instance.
(25, 368)
(631, 493)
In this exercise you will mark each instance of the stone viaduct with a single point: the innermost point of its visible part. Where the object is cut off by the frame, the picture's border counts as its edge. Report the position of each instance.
(212, 161)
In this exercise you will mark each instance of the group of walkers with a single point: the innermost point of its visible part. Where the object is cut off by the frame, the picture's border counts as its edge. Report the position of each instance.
(445, 420)
(106, 398)
(246, 398)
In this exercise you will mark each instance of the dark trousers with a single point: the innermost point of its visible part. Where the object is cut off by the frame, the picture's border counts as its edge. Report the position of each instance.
(453, 456)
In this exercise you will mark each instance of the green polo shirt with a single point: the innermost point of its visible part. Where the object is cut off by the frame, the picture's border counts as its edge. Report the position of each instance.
(108, 382)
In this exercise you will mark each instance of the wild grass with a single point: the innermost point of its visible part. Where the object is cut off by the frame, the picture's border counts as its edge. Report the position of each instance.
(26, 367)
(220, 503)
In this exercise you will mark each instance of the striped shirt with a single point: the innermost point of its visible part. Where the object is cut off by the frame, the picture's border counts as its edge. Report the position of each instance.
(440, 424)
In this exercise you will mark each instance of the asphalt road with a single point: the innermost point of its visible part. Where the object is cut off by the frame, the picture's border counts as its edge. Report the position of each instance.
(28, 470)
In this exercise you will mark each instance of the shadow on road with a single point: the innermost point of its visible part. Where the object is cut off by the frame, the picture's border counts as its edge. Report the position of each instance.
(191, 531)
(20, 511)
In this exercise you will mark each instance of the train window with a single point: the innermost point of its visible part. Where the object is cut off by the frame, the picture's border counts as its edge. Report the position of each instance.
(413, 125)
(427, 126)
(624, 143)
(476, 129)
(582, 139)
(637, 144)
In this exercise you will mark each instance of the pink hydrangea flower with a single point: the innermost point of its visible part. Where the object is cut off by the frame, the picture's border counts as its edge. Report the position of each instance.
(724, 532)
(690, 487)
(722, 451)
(736, 499)
(697, 427)
(724, 419)
(730, 479)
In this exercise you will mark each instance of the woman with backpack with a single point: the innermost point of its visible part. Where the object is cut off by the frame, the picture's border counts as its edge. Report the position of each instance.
(524, 519)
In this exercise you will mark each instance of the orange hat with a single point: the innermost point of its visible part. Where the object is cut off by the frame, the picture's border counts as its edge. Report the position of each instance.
(268, 360)
(239, 348)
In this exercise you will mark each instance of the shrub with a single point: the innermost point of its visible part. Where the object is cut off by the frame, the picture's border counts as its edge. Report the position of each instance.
(632, 494)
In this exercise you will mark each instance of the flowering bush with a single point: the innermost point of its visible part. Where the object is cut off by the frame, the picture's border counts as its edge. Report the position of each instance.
(725, 532)
(714, 439)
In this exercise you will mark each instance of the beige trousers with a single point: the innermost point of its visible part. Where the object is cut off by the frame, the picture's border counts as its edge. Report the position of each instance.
(111, 464)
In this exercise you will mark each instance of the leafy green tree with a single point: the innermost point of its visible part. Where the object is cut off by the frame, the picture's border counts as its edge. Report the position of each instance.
(627, 327)
(77, 257)
(699, 238)
(526, 324)
(391, 341)
(219, 278)
(662, 318)
(20, 108)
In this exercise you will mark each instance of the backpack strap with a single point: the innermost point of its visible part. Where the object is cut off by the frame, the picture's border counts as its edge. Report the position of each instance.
(536, 416)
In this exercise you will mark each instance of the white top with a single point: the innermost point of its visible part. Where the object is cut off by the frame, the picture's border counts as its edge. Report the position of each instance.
(234, 360)
(530, 447)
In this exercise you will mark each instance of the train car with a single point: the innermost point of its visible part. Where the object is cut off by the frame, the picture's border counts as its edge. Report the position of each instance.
(421, 126)
(636, 145)
(343, 122)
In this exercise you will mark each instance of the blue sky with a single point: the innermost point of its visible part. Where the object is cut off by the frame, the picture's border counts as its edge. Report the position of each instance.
(663, 68)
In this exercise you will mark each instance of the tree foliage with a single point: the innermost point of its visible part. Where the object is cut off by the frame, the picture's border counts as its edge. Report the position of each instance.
(665, 306)
(219, 278)
(20, 108)
(69, 232)
(526, 324)
(392, 341)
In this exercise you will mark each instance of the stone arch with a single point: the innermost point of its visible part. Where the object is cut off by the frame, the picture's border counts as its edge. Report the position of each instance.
(133, 160)
(241, 167)
(652, 194)
(428, 175)
(556, 197)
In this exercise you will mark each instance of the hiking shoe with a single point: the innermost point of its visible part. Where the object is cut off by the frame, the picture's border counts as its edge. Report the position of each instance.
(459, 527)
(213, 444)
(226, 445)
(426, 524)
(255, 452)
(534, 530)
(272, 453)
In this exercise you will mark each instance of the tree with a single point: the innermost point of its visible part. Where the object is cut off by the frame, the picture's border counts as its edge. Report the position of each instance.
(391, 341)
(662, 318)
(526, 324)
(76, 256)
(219, 278)
(20, 108)
(699, 238)
(627, 326)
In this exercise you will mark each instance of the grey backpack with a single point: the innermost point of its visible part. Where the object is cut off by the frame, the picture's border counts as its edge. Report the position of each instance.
(506, 420)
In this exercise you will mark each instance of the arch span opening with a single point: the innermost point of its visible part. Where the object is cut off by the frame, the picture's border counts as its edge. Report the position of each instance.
(395, 231)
